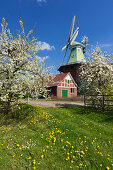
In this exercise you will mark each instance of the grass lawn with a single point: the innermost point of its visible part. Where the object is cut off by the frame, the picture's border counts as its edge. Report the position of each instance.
(56, 138)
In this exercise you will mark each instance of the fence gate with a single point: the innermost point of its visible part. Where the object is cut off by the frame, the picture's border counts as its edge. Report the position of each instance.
(101, 101)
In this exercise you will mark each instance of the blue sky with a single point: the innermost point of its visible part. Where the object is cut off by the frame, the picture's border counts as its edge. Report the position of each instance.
(52, 20)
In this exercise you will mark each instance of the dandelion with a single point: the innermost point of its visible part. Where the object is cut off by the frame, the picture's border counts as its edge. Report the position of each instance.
(107, 168)
(101, 165)
(72, 161)
(80, 164)
(70, 167)
(34, 167)
(42, 156)
(18, 145)
(34, 161)
(29, 157)
(82, 152)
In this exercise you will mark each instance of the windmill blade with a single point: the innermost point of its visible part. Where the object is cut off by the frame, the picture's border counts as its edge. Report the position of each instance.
(65, 47)
(64, 54)
(71, 29)
(74, 35)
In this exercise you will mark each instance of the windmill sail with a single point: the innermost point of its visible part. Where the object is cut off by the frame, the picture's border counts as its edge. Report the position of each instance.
(74, 35)
(71, 29)
(64, 47)
(71, 38)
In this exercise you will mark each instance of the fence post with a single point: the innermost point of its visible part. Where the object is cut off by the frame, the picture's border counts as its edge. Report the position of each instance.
(103, 106)
(84, 100)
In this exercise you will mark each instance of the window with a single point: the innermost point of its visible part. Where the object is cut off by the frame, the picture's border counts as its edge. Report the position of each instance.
(72, 90)
(78, 49)
(68, 81)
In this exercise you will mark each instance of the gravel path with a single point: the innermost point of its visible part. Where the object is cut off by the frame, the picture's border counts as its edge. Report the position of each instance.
(51, 103)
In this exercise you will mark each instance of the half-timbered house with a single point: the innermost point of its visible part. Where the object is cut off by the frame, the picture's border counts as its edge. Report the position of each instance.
(63, 86)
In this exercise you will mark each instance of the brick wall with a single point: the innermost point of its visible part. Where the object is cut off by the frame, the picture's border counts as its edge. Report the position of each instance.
(70, 95)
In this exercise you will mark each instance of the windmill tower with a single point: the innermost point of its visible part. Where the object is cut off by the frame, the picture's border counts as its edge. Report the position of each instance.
(76, 57)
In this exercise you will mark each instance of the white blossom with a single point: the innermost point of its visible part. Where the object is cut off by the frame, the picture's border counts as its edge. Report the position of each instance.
(97, 73)
(20, 70)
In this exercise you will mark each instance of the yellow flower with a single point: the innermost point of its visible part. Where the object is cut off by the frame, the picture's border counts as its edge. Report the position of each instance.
(34, 161)
(18, 145)
(80, 164)
(13, 156)
(70, 167)
(107, 168)
(77, 166)
(42, 156)
(20, 148)
(72, 146)
(72, 161)
(29, 157)
(101, 165)
(82, 152)
(34, 167)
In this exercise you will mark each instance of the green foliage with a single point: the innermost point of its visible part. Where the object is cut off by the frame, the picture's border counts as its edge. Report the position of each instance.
(56, 138)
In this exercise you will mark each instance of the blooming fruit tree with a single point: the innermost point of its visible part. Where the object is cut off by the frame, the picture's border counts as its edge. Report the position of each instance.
(97, 73)
(21, 71)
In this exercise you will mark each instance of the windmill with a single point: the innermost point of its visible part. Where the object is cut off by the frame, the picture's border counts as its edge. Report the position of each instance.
(72, 37)
(76, 57)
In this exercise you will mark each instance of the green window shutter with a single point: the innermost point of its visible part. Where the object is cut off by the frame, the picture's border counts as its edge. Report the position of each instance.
(68, 81)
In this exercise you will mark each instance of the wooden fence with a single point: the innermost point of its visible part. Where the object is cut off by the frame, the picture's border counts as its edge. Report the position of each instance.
(101, 101)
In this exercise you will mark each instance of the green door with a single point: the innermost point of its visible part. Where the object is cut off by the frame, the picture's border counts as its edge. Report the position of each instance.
(65, 93)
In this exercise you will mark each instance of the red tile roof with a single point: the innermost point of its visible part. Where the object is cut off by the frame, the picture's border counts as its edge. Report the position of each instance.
(57, 79)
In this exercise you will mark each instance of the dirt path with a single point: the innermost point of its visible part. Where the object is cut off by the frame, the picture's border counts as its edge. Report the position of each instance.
(51, 103)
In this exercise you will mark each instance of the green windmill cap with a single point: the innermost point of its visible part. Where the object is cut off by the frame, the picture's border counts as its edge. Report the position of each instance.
(75, 43)
(77, 53)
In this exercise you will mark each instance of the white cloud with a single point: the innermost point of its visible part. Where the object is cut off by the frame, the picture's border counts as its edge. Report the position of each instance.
(42, 59)
(39, 1)
(44, 46)
(106, 45)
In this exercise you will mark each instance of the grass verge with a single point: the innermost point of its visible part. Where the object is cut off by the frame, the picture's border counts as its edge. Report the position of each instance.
(56, 138)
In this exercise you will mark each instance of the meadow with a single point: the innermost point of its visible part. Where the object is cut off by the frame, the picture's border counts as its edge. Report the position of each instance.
(56, 138)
